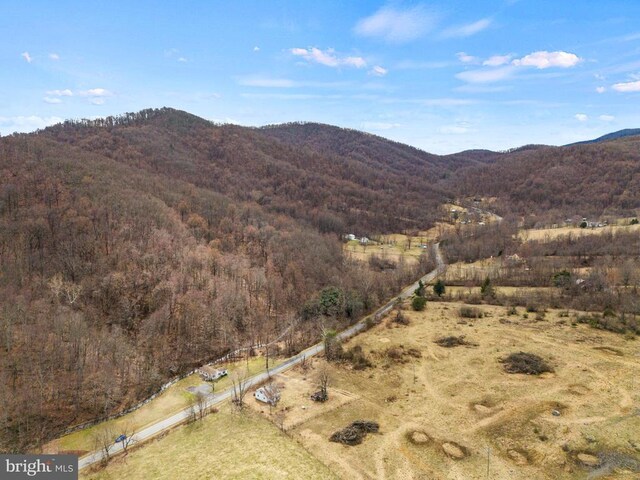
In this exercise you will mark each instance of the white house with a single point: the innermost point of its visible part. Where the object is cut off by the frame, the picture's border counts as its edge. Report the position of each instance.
(351, 236)
(268, 394)
(211, 374)
(364, 240)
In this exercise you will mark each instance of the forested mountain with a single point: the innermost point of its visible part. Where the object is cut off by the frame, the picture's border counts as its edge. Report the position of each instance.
(385, 156)
(556, 182)
(627, 132)
(135, 248)
(332, 191)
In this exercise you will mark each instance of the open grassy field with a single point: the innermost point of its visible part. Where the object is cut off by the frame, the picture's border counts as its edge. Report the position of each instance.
(392, 252)
(224, 445)
(396, 245)
(460, 293)
(172, 400)
(548, 234)
(453, 413)
(476, 271)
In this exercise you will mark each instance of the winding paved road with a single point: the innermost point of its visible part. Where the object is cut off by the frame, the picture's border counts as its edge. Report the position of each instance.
(216, 398)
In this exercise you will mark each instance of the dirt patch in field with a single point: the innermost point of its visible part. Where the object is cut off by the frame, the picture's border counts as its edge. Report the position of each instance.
(418, 437)
(612, 351)
(577, 389)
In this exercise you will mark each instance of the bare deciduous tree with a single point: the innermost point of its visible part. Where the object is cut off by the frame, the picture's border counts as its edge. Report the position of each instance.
(103, 440)
(128, 437)
(200, 404)
(240, 384)
(324, 379)
(72, 292)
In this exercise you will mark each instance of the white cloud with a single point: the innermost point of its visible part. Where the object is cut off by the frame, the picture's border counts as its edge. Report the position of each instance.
(600, 89)
(225, 120)
(174, 53)
(544, 59)
(581, 117)
(26, 56)
(327, 57)
(256, 49)
(96, 92)
(357, 62)
(60, 93)
(627, 86)
(378, 71)
(497, 60)
(51, 100)
(26, 123)
(466, 58)
(397, 25)
(54, 56)
(607, 118)
(467, 30)
(485, 76)
(379, 125)
(96, 96)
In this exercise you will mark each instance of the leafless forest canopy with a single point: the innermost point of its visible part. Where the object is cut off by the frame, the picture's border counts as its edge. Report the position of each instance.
(135, 248)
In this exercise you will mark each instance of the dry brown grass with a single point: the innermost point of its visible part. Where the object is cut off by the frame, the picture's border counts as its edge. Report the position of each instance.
(394, 247)
(548, 234)
(459, 402)
(225, 445)
(172, 400)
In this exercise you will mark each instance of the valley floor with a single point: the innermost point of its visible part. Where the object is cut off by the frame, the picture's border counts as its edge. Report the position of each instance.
(430, 400)
(462, 397)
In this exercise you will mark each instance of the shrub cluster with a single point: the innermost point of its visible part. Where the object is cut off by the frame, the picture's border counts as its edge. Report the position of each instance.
(418, 303)
(527, 363)
(613, 323)
(356, 357)
(470, 312)
(452, 341)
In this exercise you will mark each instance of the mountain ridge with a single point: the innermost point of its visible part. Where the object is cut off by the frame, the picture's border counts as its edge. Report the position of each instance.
(626, 132)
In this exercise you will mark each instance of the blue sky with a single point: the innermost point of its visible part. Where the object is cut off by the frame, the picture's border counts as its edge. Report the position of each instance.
(444, 76)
